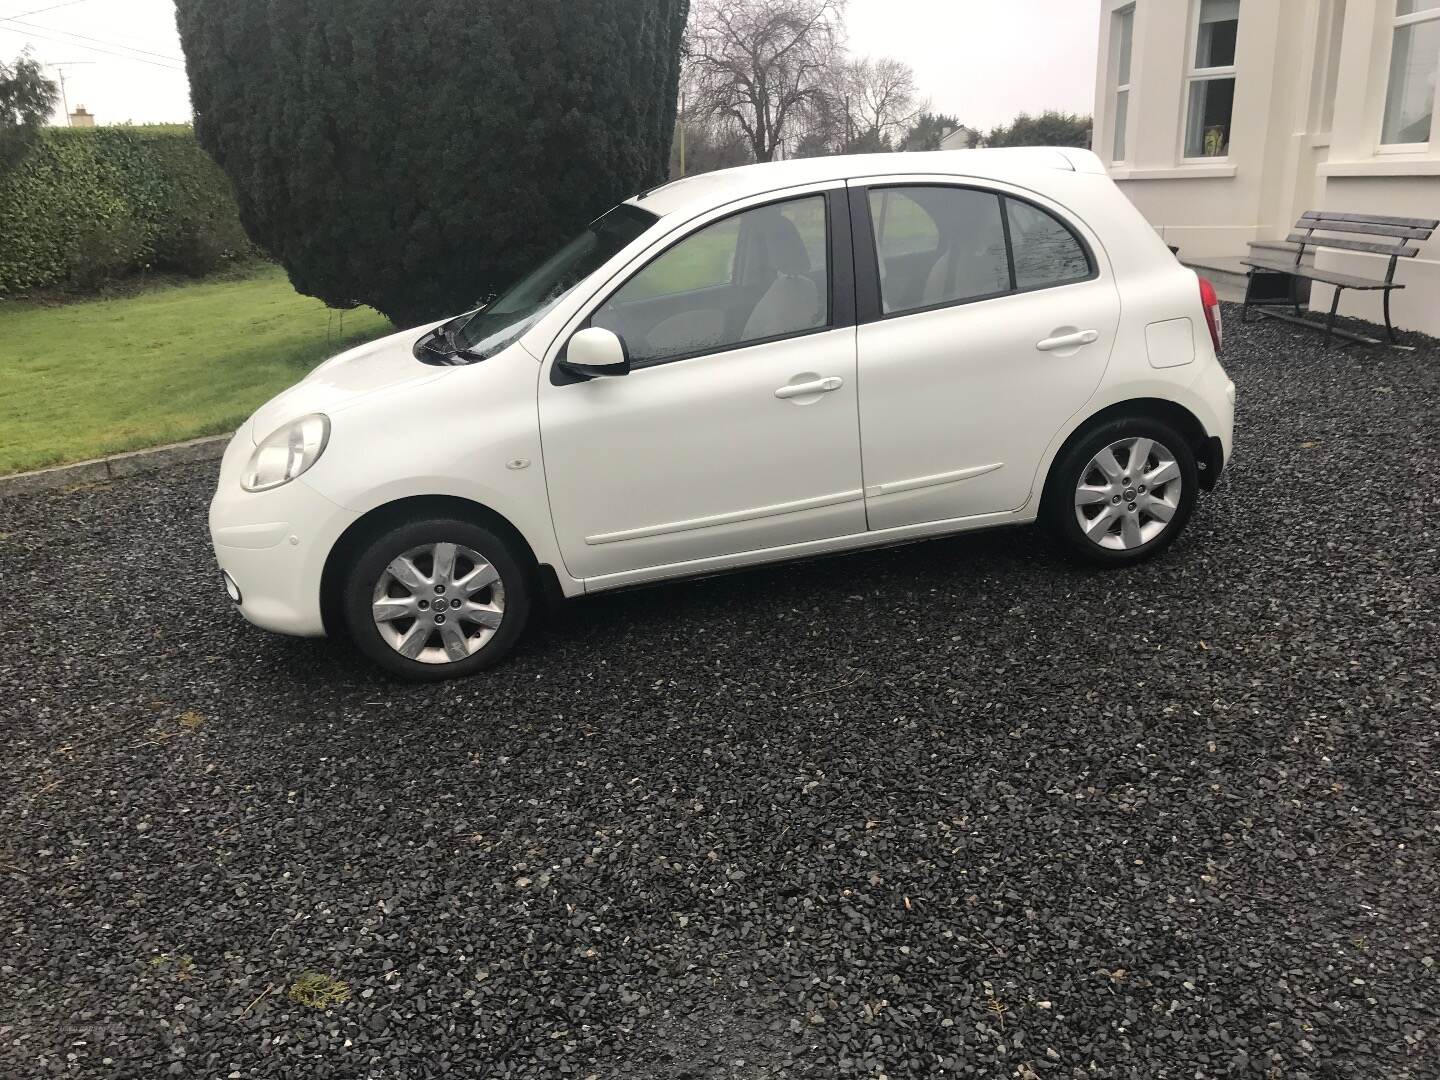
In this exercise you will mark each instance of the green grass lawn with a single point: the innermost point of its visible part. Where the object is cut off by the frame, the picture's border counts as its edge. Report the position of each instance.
(97, 377)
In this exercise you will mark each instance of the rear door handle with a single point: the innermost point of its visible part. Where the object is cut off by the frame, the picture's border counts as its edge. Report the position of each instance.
(818, 386)
(1068, 341)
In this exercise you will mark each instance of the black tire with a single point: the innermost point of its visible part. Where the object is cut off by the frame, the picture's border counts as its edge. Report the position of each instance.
(366, 572)
(1070, 468)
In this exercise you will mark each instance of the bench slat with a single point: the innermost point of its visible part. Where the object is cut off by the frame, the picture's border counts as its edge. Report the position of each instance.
(1329, 277)
(1377, 219)
(1405, 232)
(1404, 251)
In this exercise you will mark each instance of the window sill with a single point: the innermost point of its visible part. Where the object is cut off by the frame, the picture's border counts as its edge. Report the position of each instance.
(1382, 167)
(1178, 172)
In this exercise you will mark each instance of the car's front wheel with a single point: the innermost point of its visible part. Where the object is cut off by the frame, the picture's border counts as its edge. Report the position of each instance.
(1124, 492)
(436, 599)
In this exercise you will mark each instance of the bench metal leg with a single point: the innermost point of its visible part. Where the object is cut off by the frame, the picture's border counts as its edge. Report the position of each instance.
(1330, 319)
(1389, 330)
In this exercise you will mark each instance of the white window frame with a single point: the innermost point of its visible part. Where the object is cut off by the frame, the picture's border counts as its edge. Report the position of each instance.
(1117, 20)
(1398, 21)
(1195, 74)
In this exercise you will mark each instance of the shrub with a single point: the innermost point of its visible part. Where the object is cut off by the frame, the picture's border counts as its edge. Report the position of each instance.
(84, 193)
(416, 156)
(102, 250)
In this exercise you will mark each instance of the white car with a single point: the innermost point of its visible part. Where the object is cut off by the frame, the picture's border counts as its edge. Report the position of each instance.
(746, 366)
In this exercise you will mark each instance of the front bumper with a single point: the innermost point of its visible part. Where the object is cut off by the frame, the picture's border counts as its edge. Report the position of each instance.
(273, 545)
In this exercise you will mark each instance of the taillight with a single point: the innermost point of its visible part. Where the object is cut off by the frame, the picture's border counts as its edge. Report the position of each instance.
(1210, 301)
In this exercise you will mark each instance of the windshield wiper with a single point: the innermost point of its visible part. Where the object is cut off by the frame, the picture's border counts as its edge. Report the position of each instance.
(442, 344)
(456, 349)
(439, 346)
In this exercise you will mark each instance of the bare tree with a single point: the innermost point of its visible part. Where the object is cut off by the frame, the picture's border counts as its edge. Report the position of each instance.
(865, 106)
(880, 102)
(762, 63)
(705, 143)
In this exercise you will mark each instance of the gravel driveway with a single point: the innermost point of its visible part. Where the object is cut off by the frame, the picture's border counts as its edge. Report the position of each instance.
(950, 810)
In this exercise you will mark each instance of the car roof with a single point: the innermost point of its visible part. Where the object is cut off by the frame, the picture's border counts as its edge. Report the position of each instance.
(698, 193)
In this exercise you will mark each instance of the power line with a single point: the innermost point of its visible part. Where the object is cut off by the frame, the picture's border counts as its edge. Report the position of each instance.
(100, 41)
(106, 52)
(52, 7)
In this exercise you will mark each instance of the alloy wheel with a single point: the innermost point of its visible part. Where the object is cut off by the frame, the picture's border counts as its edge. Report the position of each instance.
(438, 603)
(1128, 494)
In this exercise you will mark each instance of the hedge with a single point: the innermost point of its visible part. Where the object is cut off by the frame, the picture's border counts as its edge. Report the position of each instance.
(87, 204)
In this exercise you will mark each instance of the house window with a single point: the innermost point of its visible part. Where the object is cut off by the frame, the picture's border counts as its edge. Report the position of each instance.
(1210, 93)
(1122, 36)
(1414, 64)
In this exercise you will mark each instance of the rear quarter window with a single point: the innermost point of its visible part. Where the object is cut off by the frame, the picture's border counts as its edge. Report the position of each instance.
(1045, 250)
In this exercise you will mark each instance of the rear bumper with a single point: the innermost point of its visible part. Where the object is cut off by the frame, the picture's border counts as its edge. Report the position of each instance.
(273, 545)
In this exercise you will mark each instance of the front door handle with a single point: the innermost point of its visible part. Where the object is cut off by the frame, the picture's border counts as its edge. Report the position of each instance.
(817, 386)
(1068, 341)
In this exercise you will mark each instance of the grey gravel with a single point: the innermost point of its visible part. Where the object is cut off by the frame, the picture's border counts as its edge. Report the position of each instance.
(959, 809)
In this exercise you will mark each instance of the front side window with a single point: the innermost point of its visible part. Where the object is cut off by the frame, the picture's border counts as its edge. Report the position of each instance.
(1210, 95)
(1122, 38)
(752, 277)
(1414, 64)
(938, 246)
(518, 307)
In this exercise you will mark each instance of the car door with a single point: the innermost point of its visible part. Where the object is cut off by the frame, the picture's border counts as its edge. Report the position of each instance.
(987, 320)
(737, 426)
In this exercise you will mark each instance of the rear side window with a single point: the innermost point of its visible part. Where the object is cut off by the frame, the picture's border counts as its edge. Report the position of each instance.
(1046, 251)
(902, 225)
(945, 245)
(937, 246)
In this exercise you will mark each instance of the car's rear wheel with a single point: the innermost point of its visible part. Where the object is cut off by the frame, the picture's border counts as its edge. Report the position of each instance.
(1124, 492)
(436, 599)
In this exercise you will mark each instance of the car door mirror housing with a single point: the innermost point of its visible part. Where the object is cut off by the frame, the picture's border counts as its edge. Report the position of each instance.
(596, 351)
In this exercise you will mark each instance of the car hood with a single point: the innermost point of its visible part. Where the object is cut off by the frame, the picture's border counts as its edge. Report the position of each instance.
(386, 364)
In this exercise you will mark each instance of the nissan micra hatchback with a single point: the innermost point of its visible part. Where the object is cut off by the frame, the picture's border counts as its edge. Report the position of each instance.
(759, 364)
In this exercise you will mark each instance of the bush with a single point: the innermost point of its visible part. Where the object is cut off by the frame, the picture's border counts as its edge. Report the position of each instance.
(1050, 128)
(416, 156)
(101, 251)
(124, 197)
(191, 250)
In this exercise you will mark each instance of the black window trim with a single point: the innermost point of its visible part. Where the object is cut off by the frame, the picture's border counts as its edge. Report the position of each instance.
(868, 303)
(839, 271)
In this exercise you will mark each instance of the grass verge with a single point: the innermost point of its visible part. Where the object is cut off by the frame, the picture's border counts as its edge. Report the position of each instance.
(86, 379)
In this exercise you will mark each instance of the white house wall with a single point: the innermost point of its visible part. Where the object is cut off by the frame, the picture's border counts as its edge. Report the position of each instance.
(1281, 161)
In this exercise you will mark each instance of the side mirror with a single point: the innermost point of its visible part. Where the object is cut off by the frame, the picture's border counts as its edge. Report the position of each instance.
(596, 351)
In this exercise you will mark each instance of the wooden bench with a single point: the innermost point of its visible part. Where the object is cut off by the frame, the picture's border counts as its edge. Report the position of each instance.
(1273, 278)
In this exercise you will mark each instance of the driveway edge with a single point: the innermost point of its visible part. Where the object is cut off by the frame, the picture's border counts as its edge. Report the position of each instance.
(99, 470)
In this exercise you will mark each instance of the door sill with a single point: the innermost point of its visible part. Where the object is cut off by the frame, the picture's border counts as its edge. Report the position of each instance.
(898, 534)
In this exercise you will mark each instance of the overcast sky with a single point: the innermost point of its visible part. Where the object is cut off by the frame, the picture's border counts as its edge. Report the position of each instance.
(979, 60)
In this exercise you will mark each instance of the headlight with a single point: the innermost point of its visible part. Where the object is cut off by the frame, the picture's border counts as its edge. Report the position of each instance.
(287, 453)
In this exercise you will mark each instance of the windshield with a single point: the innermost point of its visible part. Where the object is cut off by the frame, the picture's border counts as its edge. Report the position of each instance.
(517, 308)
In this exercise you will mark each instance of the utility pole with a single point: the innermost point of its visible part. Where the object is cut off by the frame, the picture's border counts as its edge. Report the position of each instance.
(681, 119)
(60, 70)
